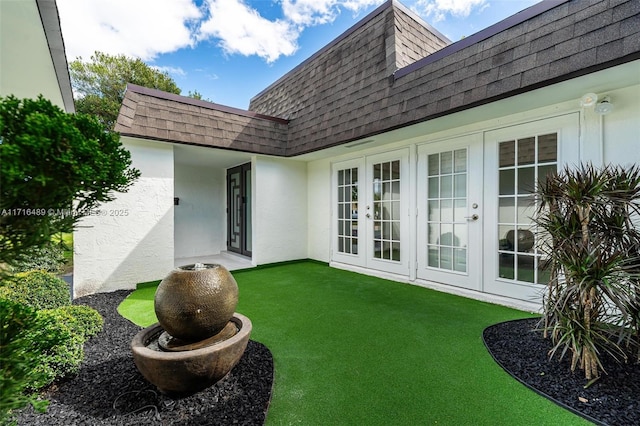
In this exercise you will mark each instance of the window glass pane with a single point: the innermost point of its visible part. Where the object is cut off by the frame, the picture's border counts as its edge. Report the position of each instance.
(544, 171)
(386, 171)
(548, 148)
(446, 163)
(386, 230)
(526, 180)
(434, 233)
(434, 187)
(460, 260)
(526, 151)
(434, 164)
(434, 256)
(446, 211)
(395, 210)
(395, 190)
(347, 177)
(507, 182)
(395, 165)
(446, 258)
(460, 160)
(460, 235)
(395, 251)
(506, 266)
(460, 210)
(525, 268)
(433, 213)
(386, 191)
(507, 153)
(446, 235)
(526, 209)
(506, 210)
(503, 233)
(446, 187)
(460, 186)
(340, 177)
(377, 171)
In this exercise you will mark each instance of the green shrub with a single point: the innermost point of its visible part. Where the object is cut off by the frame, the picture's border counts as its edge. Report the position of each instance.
(48, 258)
(593, 246)
(37, 289)
(61, 359)
(81, 320)
(24, 336)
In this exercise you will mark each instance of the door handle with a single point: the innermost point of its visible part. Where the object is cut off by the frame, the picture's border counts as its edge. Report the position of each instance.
(472, 217)
(368, 215)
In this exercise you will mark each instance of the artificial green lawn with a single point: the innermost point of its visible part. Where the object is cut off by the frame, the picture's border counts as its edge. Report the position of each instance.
(350, 349)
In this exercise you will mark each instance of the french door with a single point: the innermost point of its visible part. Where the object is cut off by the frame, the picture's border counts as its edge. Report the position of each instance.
(517, 159)
(239, 209)
(450, 215)
(371, 212)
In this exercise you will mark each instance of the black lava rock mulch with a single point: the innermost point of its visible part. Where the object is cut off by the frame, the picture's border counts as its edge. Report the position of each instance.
(614, 399)
(109, 390)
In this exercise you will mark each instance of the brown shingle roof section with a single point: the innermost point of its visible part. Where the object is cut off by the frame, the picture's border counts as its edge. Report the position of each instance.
(153, 114)
(353, 88)
(550, 42)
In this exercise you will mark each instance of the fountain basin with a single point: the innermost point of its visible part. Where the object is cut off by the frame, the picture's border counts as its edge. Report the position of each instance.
(183, 373)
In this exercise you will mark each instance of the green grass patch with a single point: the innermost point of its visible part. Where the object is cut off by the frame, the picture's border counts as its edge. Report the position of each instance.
(354, 349)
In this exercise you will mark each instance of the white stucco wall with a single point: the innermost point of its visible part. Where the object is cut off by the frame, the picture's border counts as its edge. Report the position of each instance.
(613, 138)
(319, 210)
(621, 127)
(280, 210)
(200, 218)
(131, 240)
(27, 67)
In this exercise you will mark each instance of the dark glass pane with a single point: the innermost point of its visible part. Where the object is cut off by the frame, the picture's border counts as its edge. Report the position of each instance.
(548, 148)
(434, 164)
(507, 182)
(526, 151)
(507, 154)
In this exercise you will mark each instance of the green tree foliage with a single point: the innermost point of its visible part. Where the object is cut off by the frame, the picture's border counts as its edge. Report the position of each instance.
(53, 161)
(100, 84)
(592, 304)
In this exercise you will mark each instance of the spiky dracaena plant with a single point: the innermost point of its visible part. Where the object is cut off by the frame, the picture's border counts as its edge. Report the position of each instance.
(592, 305)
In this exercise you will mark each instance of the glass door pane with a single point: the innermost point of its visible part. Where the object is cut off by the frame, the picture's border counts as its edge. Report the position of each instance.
(447, 226)
(386, 210)
(347, 189)
(522, 164)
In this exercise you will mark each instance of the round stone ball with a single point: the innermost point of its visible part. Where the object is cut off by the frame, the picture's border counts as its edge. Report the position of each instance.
(195, 302)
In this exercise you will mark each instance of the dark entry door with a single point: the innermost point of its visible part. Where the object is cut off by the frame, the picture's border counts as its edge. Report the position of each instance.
(239, 209)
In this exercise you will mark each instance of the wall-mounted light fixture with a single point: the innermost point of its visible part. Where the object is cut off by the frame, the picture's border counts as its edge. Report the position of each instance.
(604, 107)
(176, 201)
(588, 100)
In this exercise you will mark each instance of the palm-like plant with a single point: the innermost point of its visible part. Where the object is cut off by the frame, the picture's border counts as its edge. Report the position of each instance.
(592, 303)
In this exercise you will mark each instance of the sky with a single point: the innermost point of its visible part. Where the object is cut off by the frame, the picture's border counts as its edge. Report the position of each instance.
(231, 50)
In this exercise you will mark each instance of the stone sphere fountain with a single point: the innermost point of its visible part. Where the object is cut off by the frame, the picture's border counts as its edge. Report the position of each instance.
(199, 337)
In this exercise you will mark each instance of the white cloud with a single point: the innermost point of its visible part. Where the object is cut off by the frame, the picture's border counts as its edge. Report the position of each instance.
(177, 71)
(438, 9)
(148, 28)
(240, 29)
(138, 28)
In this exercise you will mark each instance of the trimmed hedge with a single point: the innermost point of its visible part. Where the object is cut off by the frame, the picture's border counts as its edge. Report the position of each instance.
(37, 289)
(42, 336)
(24, 337)
(49, 258)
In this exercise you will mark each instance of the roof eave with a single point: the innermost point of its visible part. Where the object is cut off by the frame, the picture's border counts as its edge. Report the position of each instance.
(50, 19)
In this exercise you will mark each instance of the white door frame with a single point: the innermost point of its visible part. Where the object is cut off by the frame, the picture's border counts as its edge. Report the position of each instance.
(365, 222)
(568, 153)
(468, 219)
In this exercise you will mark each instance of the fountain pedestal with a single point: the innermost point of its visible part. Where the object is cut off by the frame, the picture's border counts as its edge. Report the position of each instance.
(199, 338)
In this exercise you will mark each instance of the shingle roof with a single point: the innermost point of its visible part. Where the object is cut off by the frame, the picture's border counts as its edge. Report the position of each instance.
(353, 88)
(154, 114)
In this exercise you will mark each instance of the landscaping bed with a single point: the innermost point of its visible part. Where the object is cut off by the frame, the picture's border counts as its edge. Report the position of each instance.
(109, 390)
(522, 352)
